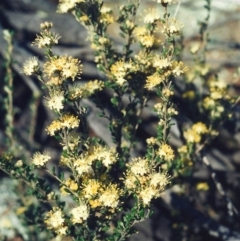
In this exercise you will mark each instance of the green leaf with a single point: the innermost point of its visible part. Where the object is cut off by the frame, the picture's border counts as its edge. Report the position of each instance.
(53, 170)
(62, 176)
(114, 100)
(122, 35)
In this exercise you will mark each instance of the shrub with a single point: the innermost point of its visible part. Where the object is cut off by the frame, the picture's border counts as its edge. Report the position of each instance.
(108, 190)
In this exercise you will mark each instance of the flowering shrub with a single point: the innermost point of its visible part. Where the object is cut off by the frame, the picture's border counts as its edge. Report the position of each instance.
(109, 190)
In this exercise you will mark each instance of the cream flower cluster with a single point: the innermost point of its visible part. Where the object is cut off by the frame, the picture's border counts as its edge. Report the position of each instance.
(58, 68)
(30, 66)
(41, 159)
(164, 68)
(194, 134)
(66, 121)
(55, 220)
(142, 179)
(86, 90)
(64, 67)
(66, 5)
(120, 70)
(80, 213)
(55, 101)
(83, 164)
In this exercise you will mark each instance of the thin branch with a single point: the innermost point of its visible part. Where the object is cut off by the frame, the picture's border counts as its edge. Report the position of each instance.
(177, 9)
(194, 217)
(231, 208)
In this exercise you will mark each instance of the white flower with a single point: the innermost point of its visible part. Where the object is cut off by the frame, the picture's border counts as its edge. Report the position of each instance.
(40, 159)
(151, 16)
(80, 213)
(55, 102)
(30, 66)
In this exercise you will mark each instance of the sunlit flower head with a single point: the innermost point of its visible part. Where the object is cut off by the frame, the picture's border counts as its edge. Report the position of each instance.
(66, 5)
(158, 107)
(108, 157)
(161, 63)
(70, 121)
(86, 90)
(200, 128)
(172, 26)
(84, 19)
(139, 166)
(195, 47)
(131, 181)
(151, 15)
(159, 180)
(209, 103)
(46, 25)
(217, 84)
(183, 149)
(105, 9)
(120, 69)
(55, 101)
(62, 231)
(91, 188)
(144, 60)
(40, 159)
(104, 41)
(216, 93)
(94, 203)
(151, 141)
(66, 121)
(147, 194)
(147, 40)
(80, 213)
(153, 81)
(145, 37)
(130, 24)
(106, 18)
(71, 184)
(65, 67)
(54, 218)
(46, 39)
(30, 66)
(192, 136)
(83, 165)
(166, 152)
(202, 186)
(54, 127)
(110, 196)
(140, 31)
(178, 68)
(167, 92)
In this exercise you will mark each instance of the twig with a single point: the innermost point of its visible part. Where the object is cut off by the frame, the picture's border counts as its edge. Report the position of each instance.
(195, 217)
(231, 208)
(178, 6)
